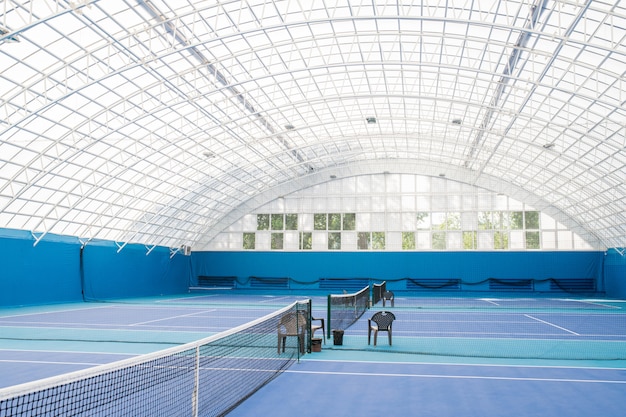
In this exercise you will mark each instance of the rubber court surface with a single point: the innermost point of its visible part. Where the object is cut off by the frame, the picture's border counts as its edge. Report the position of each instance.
(450, 356)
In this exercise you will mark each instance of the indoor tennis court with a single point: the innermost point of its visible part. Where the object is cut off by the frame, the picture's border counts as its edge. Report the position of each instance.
(338, 207)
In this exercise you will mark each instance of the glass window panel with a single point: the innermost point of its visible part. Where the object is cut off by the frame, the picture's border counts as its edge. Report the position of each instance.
(306, 221)
(334, 221)
(423, 240)
(363, 240)
(532, 240)
(394, 221)
(500, 240)
(485, 221)
(278, 222)
(249, 241)
(291, 240)
(408, 240)
(349, 221)
(277, 241)
(378, 240)
(517, 220)
(363, 221)
(348, 240)
(319, 221)
(306, 240)
(439, 240)
(455, 240)
(291, 221)
(262, 221)
(320, 240)
(453, 221)
(334, 240)
(423, 220)
(438, 221)
(531, 219)
(485, 240)
(470, 239)
(377, 221)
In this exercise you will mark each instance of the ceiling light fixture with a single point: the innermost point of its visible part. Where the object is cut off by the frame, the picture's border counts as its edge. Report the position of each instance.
(370, 120)
(548, 146)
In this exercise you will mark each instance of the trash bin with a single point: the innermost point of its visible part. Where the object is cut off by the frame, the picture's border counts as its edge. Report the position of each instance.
(337, 337)
(316, 345)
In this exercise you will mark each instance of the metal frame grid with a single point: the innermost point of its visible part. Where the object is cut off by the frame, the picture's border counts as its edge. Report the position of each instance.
(162, 122)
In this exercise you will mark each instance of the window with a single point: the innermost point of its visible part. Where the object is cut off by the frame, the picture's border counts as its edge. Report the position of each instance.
(434, 215)
(363, 240)
(248, 240)
(319, 221)
(334, 241)
(500, 240)
(378, 240)
(306, 240)
(262, 222)
(278, 222)
(470, 239)
(291, 221)
(408, 240)
(349, 221)
(334, 221)
(532, 220)
(439, 240)
(277, 240)
(532, 240)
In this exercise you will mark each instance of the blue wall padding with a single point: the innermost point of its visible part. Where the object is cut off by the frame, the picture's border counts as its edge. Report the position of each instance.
(468, 266)
(50, 271)
(45, 273)
(615, 272)
(132, 272)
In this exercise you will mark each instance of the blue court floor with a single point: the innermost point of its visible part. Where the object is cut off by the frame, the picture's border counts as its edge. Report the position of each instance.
(450, 357)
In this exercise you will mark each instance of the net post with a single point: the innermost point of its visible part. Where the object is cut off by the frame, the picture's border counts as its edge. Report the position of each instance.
(328, 324)
(196, 388)
(309, 325)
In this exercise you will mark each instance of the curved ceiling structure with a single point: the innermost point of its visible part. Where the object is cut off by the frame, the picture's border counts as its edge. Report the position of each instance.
(158, 121)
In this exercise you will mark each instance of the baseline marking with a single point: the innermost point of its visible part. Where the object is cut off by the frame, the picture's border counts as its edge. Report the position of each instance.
(551, 324)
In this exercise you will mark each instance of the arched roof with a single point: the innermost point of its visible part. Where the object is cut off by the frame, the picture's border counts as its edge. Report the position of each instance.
(158, 121)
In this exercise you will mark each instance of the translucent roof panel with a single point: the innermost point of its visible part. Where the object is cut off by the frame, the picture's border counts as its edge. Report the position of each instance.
(158, 121)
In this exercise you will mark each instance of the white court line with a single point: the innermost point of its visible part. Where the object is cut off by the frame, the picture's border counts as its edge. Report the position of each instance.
(73, 310)
(551, 324)
(495, 378)
(52, 362)
(172, 317)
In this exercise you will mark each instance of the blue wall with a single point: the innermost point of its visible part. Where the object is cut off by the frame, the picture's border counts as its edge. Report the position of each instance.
(615, 273)
(50, 272)
(468, 266)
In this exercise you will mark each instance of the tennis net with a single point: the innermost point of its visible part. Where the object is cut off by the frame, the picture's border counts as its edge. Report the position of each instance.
(209, 377)
(345, 309)
(378, 290)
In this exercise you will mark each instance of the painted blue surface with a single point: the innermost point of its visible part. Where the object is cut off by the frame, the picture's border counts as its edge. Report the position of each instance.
(615, 272)
(50, 270)
(366, 388)
(470, 267)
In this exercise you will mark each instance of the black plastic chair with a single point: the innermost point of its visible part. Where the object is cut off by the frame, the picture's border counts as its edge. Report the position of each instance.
(382, 321)
(292, 324)
(388, 295)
